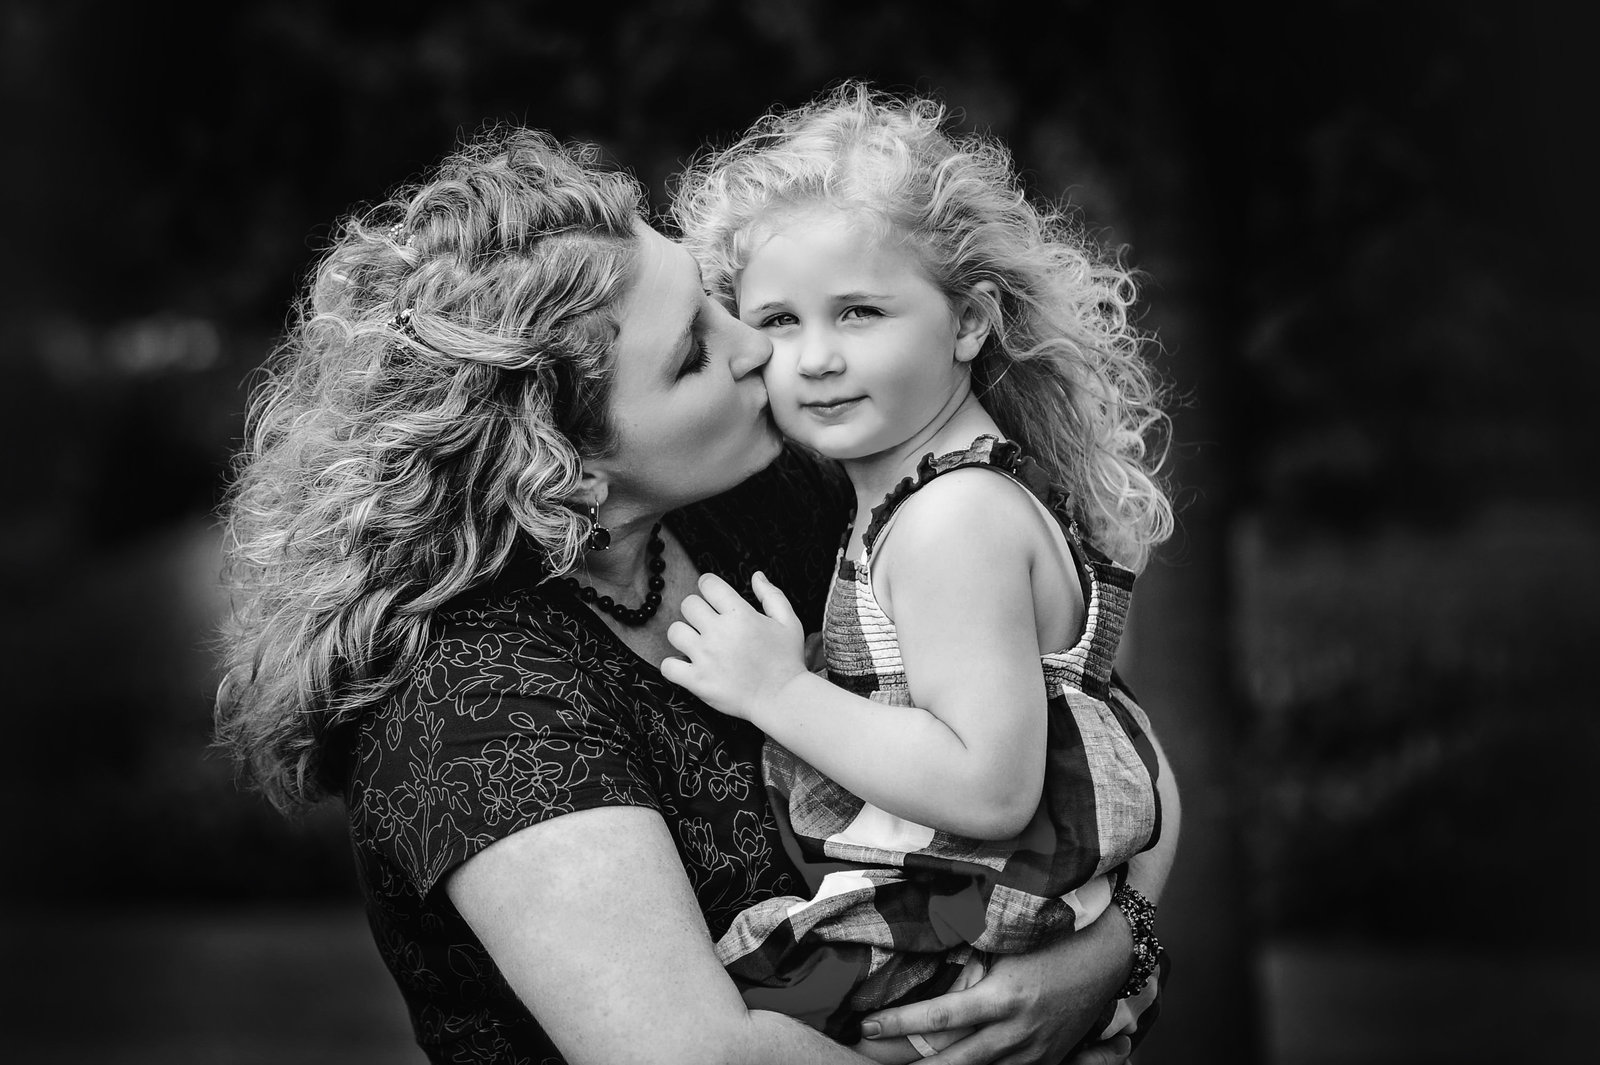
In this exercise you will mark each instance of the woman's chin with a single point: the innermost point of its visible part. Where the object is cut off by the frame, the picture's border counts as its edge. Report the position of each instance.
(762, 452)
(797, 434)
(768, 450)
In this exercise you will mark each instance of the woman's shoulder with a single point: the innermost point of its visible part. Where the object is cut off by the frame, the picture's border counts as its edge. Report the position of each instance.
(517, 635)
(501, 673)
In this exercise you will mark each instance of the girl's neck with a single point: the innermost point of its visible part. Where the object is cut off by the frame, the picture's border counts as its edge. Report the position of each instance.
(962, 422)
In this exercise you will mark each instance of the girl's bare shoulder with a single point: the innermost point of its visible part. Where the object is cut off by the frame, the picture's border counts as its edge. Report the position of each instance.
(966, 512)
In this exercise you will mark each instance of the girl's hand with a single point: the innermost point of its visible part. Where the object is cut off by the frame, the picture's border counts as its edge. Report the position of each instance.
(736, 658)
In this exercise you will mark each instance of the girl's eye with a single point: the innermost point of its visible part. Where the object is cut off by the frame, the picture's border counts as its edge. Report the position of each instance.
(698, 359)
(777, 320)
(861, 312)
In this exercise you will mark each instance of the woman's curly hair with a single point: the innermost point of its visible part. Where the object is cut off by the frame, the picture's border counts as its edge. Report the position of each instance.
(441, 377)
(1063, 371)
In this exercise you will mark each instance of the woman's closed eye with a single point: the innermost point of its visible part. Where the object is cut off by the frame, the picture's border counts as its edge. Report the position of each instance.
(699, 358)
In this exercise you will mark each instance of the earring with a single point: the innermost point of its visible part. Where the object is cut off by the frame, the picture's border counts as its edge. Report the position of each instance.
(599, 535)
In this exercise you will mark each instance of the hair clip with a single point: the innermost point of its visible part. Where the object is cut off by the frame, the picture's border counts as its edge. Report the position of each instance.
(402, 323)
(397, 233)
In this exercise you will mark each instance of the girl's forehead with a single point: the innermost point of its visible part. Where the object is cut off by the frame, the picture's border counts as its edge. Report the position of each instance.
(867, 230)
(860, 223)
(787, 215)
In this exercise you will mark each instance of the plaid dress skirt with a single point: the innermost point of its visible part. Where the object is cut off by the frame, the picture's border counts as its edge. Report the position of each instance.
(897, 908)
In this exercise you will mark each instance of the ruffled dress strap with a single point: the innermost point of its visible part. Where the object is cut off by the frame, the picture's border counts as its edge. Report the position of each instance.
(1087, 664)
(1003, 455)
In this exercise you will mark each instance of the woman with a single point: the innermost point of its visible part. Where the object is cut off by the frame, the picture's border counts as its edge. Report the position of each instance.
(504, 438)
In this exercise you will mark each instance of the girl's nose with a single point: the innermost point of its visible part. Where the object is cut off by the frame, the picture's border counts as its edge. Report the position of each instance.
(819, 356)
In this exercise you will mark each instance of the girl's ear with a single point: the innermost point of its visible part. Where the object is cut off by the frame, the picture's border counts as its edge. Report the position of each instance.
(977, 319)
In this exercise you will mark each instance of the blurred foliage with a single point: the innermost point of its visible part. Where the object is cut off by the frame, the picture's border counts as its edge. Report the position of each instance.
(1420, 730)
(1366, 237)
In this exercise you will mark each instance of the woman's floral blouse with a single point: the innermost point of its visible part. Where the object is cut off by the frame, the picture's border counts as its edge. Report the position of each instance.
(526, 707)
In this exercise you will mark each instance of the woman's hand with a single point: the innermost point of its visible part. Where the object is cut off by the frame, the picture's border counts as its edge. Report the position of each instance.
(1030, 1009)
(1111, 1052)
(734, 656)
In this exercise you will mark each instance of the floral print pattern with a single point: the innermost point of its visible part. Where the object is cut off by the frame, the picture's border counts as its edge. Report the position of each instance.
(526, 707)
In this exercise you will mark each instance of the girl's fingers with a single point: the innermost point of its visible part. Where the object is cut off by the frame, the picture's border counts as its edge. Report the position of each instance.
(720, 594)
(697, 612)
(674, 670)
(773, 601)
(684, 638)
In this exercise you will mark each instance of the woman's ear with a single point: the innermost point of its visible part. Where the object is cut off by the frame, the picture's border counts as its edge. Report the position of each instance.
(976, 320)
(594, 484)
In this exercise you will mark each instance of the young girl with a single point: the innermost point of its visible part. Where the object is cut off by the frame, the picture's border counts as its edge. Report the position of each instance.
(975, 778)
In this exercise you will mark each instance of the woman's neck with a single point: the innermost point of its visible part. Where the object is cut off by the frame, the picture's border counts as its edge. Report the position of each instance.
(625, 578)
(624, 565)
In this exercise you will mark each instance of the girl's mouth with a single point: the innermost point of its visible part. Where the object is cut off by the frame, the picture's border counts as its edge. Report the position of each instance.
(831, 408)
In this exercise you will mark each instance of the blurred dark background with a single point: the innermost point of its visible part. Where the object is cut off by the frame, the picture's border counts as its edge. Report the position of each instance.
(1368, 234)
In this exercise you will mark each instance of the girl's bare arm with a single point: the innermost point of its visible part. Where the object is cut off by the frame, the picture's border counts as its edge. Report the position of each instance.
(968, 757)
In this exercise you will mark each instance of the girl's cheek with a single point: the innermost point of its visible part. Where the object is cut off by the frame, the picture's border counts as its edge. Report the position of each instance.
(778, 368)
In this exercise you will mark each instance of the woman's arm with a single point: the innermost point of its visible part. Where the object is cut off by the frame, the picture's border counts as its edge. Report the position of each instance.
(960, 580)
(592, 921)
(1038, 1005)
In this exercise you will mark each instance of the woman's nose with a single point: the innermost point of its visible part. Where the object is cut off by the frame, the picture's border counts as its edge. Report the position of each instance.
(752, 352)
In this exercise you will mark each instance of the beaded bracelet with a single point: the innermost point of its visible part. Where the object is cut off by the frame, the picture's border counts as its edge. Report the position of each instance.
(1140, 913)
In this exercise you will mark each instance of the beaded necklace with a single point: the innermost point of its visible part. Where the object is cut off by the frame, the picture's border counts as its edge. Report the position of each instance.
(631, 616)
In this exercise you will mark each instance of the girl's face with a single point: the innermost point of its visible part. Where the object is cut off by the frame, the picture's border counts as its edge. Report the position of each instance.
(687, 400)
(868, 354)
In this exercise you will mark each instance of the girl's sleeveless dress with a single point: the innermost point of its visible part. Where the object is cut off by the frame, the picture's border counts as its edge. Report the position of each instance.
(897, 908)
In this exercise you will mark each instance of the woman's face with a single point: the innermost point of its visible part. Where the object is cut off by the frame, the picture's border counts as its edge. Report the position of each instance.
(687, 400)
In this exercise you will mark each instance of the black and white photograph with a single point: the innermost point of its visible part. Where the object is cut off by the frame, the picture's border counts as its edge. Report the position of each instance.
(698, 532)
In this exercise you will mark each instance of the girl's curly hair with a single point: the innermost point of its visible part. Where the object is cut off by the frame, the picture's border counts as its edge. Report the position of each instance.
(1063, 371)
(442, 375)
